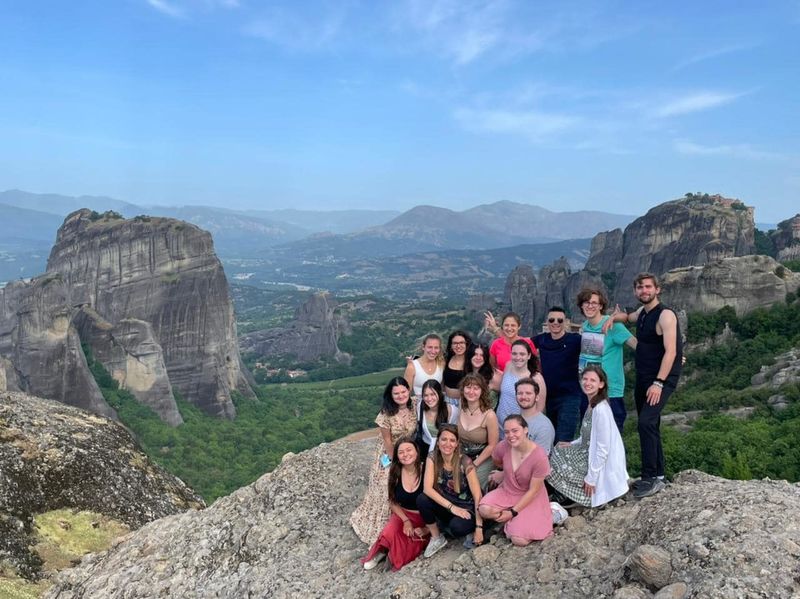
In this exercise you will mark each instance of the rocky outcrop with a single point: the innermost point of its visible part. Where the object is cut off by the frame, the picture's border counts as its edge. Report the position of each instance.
(693, 231)
(520, 294)
(313, 334)
(55, 456)
(38, 338)
(787, 239)
(150, 299)
(288, 535)
(133, 358)
(743, 283)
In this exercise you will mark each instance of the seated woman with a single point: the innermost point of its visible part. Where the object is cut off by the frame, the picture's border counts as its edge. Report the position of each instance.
(433, 412)
(520, 502)
(451, 492)
(430, 365)
(522, 365)
(405, 535)
(455, 365)
(397, 418)
(477, 425)
(591, 470)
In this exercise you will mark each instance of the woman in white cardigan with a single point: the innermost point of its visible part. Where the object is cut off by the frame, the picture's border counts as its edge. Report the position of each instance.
(591, 470)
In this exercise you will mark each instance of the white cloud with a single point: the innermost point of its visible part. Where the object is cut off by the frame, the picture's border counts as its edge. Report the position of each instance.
(536, 126)
(166, 8)
(299, 32)
(690, 148)
(694, 103)
(711, 54)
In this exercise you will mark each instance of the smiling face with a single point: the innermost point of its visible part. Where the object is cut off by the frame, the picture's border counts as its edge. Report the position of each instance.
(526, 396)
(430, 397)
(432, 348)
(459, 345)
(515, 433)
(646, 291)
(591, 383)
(407, 453)
(447, 442)
(400, 395)
(519, 356)
(478, 359)
(592, 307)
(472, 393)
(510, 328)
(555, 323)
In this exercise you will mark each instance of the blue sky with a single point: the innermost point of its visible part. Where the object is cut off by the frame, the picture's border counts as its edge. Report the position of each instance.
(616, 106)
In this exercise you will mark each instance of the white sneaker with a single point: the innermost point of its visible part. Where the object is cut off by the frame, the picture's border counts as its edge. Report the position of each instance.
(434, 545)
(370, 564)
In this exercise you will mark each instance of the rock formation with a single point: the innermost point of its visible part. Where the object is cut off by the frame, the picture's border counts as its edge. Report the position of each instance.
(693, 231)
(150, 299)
(787, 239)
(55, 456)
(313, 334)
(287, 535)
(743, 283)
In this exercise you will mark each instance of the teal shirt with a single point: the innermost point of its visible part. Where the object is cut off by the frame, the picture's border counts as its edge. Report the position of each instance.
(605, 350)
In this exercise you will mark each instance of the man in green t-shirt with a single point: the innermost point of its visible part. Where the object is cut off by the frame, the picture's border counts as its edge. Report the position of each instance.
(604, 349)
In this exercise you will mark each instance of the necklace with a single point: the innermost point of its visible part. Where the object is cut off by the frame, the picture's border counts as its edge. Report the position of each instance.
(472, 412)
(428, 369)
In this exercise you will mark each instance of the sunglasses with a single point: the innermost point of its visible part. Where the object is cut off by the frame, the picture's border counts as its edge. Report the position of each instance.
(558, 320)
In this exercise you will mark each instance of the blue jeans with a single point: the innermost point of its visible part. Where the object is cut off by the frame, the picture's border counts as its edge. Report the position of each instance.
(563, 413)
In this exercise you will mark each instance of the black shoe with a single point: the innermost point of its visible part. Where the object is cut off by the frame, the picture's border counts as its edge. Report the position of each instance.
(648, 487)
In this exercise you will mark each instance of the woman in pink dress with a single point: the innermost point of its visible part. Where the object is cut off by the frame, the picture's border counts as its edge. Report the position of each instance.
(520, 502)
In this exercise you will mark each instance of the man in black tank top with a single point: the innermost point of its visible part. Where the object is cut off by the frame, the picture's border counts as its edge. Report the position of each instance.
(658, 366)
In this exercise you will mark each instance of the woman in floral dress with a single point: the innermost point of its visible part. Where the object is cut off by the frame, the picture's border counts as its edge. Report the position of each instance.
(397, 418)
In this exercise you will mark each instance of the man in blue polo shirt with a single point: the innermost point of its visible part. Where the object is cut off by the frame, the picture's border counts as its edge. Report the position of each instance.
(558, 355)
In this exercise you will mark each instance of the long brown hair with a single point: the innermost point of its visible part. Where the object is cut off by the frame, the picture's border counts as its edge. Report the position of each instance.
(602, 393)
(438, 459)
(396, 468)
(473, 378)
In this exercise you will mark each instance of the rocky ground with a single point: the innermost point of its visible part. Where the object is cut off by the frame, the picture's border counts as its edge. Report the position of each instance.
(54, 456)
(287, 535)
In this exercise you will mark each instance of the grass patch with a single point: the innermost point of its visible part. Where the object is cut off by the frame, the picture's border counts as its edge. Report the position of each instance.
(17, 588)
(66, 535)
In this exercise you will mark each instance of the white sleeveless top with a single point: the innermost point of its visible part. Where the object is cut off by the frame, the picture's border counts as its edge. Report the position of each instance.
(420, 376)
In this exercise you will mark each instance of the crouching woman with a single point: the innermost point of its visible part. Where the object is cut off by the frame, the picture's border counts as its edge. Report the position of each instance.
(451, 492)
(405, 534)
(520, 503)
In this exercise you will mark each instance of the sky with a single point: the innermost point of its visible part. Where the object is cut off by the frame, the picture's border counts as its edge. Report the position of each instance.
(614, 106)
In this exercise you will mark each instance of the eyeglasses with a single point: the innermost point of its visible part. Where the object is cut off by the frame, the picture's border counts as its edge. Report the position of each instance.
(458, 343)
(552, 320)
(595, 304)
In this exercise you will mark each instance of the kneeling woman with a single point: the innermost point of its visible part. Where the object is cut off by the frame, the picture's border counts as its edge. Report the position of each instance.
(451, 492)
(591, 470)
(520, 502)
(405, 535)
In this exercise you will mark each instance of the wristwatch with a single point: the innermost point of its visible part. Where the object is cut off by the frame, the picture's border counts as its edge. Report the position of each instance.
(514, 513)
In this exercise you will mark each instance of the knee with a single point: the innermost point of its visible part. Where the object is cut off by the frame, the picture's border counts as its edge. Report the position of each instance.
(461, 527)
(424, 503)
(488, 511)
(520, 542)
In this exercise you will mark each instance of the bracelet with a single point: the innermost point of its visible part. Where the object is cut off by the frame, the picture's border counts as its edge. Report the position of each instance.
(479, 526)
(450, 508)
(659, 384)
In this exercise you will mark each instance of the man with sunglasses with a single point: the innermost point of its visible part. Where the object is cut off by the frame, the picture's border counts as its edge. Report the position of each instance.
(558, 355)
(603, 345)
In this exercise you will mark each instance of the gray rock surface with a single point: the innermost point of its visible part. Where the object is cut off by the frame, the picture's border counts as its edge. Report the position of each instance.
(150, 298)
(744, 283)
(787, 239)
(313, 334)
(287, 535)
(55, 456)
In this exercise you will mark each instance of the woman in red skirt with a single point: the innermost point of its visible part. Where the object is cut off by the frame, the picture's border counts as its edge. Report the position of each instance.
(405, 536)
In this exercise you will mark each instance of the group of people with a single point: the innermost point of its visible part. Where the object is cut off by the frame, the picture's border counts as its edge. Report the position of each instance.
(450, 462)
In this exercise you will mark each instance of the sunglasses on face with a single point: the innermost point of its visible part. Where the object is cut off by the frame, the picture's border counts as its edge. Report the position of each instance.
(552, 320)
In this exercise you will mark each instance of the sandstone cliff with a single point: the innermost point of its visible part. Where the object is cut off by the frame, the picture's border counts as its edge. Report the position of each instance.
(55, 456)
(744, 283)
(693, 231)
(150, 299)
(287, 535)
(313, 334)
(787, 239)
